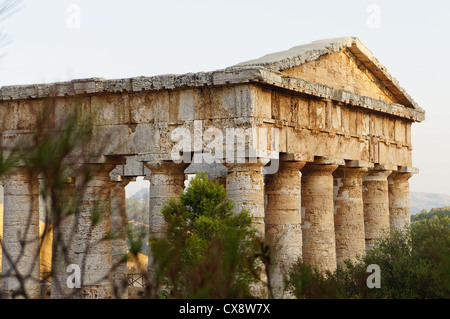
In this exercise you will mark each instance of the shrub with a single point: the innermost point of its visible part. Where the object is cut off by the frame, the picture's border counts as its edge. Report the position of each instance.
(208, 251)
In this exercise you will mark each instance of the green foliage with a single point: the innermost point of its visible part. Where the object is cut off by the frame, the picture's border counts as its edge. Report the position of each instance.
(424, 214)
(209, 251)
(136, 239)
(306, 282)
(431, 244)
(414, 264)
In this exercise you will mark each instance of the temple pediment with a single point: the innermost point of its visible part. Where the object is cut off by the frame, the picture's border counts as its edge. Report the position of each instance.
(343, 64)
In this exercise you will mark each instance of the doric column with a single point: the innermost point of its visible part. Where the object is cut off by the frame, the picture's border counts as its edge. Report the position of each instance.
(93, 248)
(245, 188)
(319, 248)
(349, 213)
(166, 181)
(20, 251)
(63, 246)
(119, 236)
(283, 218)
(376, 203)
(399, 210)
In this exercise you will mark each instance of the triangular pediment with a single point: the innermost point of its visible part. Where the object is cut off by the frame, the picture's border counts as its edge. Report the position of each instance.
(342, 63)
(343, 71)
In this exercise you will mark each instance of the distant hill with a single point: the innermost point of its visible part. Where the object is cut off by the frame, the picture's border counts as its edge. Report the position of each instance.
(427, 201)
(141, 195)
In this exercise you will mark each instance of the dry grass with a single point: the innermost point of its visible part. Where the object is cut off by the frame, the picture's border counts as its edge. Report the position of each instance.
(136, 265)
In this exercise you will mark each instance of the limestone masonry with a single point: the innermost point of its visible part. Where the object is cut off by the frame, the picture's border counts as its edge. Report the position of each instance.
(343, 134)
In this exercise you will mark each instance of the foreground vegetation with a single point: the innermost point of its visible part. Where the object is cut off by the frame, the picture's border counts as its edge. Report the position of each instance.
(424, 214)
(210, 252)
(414, 263)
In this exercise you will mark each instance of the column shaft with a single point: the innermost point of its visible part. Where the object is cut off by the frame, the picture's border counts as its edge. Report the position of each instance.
(245, 188)
(283, 219)
(93, 252)
(399, 205)
(319, 248)
(349, 214)
(376, 204)
(63, 246)
(21, 235)
(166, 181)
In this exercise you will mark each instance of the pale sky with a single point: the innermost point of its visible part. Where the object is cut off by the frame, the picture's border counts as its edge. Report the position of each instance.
(50, 42)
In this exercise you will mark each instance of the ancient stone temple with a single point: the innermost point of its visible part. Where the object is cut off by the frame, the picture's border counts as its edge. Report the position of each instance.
(314, 141)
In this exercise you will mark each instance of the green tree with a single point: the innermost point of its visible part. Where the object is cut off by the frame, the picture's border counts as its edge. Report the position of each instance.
(424, 214)
(414, 264)
(209, 251)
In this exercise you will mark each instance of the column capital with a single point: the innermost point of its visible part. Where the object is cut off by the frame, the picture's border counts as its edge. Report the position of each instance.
(403, 173)
(327, 160)
(246, 163)
(161, 167)
(384, 167)
(379, 172)
(122, 180)
(80, 171)
(292, 165)
(399, 176)
(345, 171)
(319, 169)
